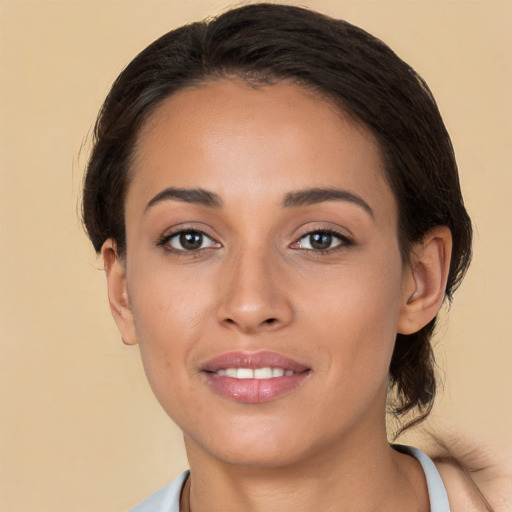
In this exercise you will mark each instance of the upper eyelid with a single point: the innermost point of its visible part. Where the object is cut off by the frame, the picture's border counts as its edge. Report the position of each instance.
(343, 233)
(167, 236)
(328, 231)
(344, 239)
(186, 228)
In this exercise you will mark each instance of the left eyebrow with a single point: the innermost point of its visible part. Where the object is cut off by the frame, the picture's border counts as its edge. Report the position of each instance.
(188, 195)
(319, 195)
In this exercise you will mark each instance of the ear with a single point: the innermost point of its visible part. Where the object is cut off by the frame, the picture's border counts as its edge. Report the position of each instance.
(117, 292)
(425, 282)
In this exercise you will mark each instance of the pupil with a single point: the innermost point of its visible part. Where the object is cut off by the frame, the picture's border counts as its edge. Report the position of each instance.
(321, 240)
(191, 241)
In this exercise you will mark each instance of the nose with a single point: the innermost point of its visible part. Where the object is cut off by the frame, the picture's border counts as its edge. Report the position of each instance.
(254, 298)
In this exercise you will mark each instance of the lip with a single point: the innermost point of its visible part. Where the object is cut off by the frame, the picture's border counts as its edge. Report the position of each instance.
(253, 391)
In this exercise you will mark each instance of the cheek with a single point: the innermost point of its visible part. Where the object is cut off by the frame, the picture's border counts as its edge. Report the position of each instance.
(170, 315)
(358, 316)
(355, 328)
(168, 301)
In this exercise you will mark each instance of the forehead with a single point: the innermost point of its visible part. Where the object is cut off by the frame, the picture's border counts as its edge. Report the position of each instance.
(231, 138)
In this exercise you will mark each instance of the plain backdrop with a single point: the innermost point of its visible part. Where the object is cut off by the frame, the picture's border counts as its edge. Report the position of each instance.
(79, 428)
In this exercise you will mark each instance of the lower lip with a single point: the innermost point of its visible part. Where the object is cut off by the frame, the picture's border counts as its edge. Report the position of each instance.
(254, 391)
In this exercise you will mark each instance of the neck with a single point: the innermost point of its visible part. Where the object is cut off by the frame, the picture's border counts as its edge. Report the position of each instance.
(364, 475)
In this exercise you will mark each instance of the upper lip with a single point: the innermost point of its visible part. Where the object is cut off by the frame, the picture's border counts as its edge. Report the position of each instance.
(253, 360)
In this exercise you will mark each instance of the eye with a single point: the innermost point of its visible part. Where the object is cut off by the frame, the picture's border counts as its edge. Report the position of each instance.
(189, 240)
(321, 241)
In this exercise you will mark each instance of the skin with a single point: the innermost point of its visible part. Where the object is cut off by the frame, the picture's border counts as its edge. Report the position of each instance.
(256, 285)
(476, 472)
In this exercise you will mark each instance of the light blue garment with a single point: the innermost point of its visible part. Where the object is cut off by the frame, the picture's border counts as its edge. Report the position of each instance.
(436, 489)
(168, 498)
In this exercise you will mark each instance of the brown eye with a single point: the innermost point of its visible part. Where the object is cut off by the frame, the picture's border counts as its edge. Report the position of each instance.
(190, 241)
(322, 241)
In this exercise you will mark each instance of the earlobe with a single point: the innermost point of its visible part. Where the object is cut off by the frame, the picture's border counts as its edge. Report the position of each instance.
(425, 283)
(118, 292)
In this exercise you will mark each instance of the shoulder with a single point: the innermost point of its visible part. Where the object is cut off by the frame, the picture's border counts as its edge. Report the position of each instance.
(463, 494)
(476, 471)
(477, 474)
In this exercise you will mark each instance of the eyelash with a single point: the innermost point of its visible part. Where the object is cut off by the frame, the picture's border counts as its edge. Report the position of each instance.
(164, 241)
(344, 241)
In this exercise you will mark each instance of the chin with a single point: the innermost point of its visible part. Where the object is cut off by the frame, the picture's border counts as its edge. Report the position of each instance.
(266, 444)
(260, 456)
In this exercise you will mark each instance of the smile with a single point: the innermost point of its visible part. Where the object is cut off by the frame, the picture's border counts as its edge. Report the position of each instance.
(258, 373)
(254, 377)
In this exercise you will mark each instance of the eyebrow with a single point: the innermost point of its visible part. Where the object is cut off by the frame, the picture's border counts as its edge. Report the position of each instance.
(319, 195)
(296, 199)
(188, 195)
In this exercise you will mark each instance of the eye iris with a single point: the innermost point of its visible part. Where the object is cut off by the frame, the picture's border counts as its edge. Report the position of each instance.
(191, 240)
(320, 240)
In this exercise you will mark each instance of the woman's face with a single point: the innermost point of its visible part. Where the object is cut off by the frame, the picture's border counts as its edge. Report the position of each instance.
(263, 272)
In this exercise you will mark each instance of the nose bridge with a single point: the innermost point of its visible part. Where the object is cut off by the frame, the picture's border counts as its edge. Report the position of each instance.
(253, 298)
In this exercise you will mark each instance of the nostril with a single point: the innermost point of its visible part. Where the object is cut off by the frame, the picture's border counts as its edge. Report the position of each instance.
(270, 321)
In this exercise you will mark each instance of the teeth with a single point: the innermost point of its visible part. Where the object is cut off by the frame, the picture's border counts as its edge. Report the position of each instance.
(257, 373)
(277, 372)
(263, 373)
(245, 373)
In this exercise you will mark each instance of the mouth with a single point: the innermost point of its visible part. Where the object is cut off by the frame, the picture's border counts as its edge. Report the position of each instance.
(254, 377)
(257, 373)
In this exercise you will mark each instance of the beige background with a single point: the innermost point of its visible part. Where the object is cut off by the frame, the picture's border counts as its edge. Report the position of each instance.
(79, 428)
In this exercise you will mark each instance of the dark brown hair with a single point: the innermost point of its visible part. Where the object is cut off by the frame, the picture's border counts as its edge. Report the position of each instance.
(266, 43)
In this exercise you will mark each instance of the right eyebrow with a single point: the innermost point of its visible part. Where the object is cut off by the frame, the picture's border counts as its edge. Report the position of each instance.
(312, 196)
(198, 196)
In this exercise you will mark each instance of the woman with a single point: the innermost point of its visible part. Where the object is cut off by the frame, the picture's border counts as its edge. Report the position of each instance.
(277, 204)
